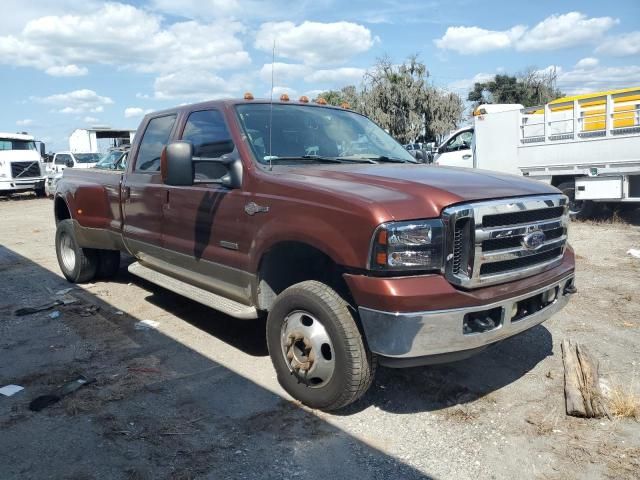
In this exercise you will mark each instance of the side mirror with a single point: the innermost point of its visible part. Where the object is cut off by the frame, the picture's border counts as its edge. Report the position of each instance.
(69, 163)
(177, 167)
(176, 164)
(43, 149)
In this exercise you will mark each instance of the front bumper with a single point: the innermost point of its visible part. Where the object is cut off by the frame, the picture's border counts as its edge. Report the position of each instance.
(22, 184)
(409, 335)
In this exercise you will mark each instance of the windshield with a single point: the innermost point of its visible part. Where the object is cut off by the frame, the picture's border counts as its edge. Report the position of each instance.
(86, 157)
(10, 144)
(111, 160)
(305, 132)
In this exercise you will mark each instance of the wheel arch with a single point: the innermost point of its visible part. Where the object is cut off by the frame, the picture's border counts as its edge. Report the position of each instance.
(292, 261)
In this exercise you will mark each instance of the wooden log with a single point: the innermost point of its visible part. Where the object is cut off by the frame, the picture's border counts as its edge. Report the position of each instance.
(583, 397)
(572, 381)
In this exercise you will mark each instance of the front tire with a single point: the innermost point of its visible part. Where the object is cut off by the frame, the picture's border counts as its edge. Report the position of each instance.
(78, 264)
(316, 348)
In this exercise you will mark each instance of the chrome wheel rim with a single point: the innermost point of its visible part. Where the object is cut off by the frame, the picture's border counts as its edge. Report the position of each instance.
(307, 349)
(67, 252)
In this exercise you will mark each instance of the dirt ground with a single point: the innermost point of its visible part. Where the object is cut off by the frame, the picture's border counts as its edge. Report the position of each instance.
(196, 397)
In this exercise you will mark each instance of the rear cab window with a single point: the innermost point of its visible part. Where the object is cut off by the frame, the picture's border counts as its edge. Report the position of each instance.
(154, 139)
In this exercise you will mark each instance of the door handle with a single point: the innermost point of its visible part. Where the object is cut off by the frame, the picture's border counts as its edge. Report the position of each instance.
(126, 193)
(466, 157)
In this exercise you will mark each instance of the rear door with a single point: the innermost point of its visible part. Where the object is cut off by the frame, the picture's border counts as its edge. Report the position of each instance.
(205, 227)
(143, 193)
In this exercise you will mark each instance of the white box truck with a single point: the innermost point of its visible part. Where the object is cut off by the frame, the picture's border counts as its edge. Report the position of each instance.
(586, 145)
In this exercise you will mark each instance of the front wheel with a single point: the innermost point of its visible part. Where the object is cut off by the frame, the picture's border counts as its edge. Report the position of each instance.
(316, 348)
(578, 209)
(77, 264)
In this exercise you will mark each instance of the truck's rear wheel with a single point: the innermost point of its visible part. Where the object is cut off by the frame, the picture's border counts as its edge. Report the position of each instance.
(316, 348)
(77, 264)
(578, 209)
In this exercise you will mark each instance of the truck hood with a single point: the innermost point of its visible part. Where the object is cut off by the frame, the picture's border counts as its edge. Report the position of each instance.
(414, 191)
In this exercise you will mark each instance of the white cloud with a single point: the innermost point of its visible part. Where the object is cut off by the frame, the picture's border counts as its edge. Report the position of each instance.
(621, 45)
(552, 33)
(198, 8)
(77, 101)
(125, 36)
(468, 83)
(588, 62)
(593, 79)
(194, 85)
(562, 31)
(24, 123)
(472, 40)
(66, 71)
(341, 76)
(315, 43)
(89, 119)
(132, 112)
(283, 72)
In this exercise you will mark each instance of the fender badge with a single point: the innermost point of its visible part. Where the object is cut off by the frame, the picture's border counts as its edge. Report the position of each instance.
(252, 208)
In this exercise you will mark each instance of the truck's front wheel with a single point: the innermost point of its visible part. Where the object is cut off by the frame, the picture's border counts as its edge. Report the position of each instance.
(77, 264)
(316, 348)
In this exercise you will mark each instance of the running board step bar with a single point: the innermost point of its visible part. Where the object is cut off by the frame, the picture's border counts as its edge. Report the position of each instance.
(217, 302)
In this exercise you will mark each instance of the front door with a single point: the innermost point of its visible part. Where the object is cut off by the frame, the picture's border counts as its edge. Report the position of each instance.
(457, 151)
(205, 226)
(143, 193)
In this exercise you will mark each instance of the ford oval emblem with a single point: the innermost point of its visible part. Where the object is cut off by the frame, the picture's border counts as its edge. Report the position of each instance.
(533, 240)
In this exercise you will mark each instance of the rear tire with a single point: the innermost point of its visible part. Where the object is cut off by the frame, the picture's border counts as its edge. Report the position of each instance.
(342, 367)
(78, 264)
(578, 209)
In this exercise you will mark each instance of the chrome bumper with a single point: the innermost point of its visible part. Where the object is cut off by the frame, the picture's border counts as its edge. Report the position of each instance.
(420, 334)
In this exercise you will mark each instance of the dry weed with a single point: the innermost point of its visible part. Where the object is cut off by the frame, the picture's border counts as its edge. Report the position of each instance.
(624, 403)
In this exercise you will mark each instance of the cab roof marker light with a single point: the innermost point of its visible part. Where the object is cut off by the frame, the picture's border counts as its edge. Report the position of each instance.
(248, 96)
(304, 99)
(284, 97)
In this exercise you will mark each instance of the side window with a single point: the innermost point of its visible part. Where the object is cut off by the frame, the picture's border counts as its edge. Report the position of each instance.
(5, 145)
(208, 133)
(461, 141)
(62, 159)
(153, 141)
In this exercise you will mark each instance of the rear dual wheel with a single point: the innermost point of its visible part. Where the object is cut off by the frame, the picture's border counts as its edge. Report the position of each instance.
(316, 348)
(79, 264)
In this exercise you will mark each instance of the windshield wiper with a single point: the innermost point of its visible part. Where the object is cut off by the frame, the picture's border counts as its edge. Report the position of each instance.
(319, 158)
(384, 158)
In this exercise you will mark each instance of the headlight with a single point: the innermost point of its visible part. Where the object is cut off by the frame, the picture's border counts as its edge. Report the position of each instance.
(416, 245)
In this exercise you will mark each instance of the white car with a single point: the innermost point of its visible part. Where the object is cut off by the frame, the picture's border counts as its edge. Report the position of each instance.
(62, 160)
(456, 150)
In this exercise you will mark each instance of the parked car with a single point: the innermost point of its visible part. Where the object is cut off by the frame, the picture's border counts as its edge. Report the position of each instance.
(416, 150)
(355, 258)
(62, 160)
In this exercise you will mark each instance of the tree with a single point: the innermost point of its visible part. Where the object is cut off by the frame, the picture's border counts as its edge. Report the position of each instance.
(400, 100)
(529, 88)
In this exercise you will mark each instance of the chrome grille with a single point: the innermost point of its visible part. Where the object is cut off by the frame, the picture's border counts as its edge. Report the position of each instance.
(25, 169)
(492, 242)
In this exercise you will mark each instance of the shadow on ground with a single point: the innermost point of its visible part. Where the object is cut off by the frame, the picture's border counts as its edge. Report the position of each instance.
(158, 408)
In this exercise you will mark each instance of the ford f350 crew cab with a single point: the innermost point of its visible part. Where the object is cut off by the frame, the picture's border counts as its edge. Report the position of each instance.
(314, 216)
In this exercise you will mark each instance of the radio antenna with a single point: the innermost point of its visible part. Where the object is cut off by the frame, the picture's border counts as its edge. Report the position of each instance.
(273, 61)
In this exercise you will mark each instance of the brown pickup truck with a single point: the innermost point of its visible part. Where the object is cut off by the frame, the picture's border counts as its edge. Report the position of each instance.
(314, 216)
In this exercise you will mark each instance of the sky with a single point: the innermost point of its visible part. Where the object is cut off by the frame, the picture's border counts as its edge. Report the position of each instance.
(78, 63)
